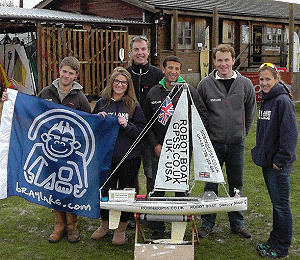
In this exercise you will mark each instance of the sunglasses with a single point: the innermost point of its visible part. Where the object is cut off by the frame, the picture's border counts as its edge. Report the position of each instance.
(139, 37)
(267, 64)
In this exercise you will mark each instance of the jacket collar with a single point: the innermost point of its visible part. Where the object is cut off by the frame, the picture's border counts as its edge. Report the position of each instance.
(163, 81)
(140, 69)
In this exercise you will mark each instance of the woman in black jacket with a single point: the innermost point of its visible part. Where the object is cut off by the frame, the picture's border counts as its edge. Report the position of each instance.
(119, 99)
(275, 152)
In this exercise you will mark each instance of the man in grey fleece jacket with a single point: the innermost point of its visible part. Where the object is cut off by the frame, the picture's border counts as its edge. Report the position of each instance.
(230, 100)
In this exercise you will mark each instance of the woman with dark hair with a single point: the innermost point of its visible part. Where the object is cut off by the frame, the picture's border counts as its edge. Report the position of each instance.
(275, 152)
(119, 99)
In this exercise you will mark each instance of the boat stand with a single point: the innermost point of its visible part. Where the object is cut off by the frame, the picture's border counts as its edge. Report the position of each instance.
(173, 249)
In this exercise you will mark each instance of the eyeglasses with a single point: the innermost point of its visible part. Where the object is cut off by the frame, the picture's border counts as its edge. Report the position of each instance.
(123, 83)
(267, 64)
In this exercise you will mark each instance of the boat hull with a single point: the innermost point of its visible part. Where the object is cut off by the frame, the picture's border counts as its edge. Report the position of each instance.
(184, 207)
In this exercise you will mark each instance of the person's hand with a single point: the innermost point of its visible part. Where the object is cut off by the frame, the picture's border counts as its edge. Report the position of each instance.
(103, 114)
(122, 121)
(4, 96)
(275, 167)
(157, 150)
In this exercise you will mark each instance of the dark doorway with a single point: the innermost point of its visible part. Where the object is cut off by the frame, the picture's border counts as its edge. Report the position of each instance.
(257, 41)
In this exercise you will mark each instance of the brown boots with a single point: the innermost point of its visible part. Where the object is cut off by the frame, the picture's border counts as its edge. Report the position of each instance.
(101, 231)
(67, 223)
(72, 232)
(119, 234)
(59, 227)
(64, 223)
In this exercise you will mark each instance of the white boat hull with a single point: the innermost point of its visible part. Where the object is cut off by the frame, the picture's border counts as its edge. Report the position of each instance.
(185, 207)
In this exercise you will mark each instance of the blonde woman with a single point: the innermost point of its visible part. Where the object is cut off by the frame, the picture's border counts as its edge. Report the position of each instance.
(119, 99)
(275, 152)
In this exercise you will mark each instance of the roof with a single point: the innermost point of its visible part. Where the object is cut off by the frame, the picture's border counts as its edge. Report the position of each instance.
(255, 8)
(12, 13)
(250, 8)
(138, 3)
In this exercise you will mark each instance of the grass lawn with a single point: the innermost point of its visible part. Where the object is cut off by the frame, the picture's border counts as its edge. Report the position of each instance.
(25, 227)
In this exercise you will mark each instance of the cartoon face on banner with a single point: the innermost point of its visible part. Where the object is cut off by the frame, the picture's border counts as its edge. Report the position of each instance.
(57, 162)
(60, 140)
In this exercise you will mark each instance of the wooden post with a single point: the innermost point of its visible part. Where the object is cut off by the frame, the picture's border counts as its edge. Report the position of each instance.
(291, 38)
(88, 87)
(40, 57)
(175, 32)
(215, 32)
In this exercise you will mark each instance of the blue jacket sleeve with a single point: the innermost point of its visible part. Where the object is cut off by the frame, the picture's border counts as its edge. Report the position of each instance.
(288, 134)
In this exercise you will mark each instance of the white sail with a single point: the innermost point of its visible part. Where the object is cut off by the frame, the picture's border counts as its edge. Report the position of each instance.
(206, 164)
(174, 164)
(173, 173)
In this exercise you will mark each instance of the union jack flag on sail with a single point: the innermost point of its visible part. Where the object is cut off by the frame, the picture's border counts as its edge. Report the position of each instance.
(166, 112)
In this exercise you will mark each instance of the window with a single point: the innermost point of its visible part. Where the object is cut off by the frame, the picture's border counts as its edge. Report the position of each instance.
(228, 31)
(279, 35)
(274, 35)
(184, 31)
(269, 35)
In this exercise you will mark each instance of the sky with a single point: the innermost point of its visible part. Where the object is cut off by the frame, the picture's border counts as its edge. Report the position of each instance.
(29, 3)
(287, 1)
(32, 3)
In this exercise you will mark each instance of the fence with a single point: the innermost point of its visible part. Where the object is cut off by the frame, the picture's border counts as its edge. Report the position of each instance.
(96, 49)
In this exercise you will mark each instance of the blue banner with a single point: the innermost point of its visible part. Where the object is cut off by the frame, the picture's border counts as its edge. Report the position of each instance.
(59, 157)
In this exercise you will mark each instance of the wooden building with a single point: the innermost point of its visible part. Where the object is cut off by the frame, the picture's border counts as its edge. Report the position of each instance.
(94, 40)
(95, 30)
(258, 29)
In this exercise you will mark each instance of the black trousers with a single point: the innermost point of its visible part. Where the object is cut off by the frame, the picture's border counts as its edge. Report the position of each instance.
(124, 177)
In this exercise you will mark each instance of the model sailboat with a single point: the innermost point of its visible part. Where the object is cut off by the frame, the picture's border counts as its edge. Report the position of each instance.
(173, 173)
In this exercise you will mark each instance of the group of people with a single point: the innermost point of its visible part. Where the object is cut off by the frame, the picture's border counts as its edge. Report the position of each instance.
(226, 103)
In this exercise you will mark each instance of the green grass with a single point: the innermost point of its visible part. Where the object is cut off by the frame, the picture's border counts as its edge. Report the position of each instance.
(25, 227)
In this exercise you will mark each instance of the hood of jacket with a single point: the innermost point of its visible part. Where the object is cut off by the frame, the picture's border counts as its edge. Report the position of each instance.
(75, 85)
(277, 90)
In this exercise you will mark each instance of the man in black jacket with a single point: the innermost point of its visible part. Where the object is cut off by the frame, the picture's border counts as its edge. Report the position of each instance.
(144, 77)
(156, 134)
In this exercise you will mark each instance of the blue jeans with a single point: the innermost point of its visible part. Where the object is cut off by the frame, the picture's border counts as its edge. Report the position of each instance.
(278, 185)
(234, 157)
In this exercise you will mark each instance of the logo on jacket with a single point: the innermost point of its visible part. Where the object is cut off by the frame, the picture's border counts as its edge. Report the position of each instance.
(264, 115)
(155, 102)
(215, 100)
